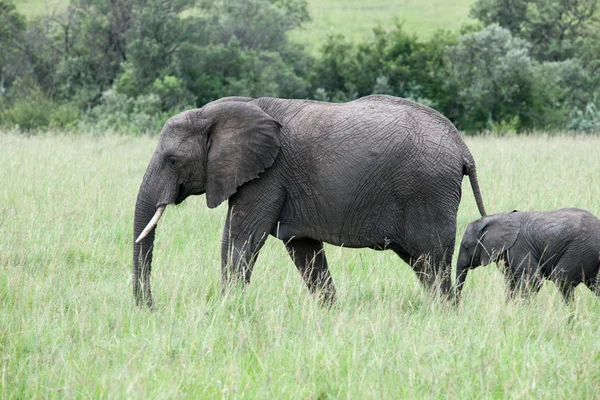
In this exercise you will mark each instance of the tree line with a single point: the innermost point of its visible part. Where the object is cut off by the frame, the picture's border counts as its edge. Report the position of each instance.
(128, 65)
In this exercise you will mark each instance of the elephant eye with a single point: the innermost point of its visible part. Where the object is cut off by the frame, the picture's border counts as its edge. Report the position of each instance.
(172, 162)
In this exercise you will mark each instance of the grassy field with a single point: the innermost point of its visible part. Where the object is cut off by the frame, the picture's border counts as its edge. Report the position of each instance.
(69, 328)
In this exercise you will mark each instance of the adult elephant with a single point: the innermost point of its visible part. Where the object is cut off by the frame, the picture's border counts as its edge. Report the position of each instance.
(378, 172)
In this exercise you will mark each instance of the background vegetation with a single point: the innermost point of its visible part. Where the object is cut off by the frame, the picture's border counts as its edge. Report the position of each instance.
(98, 65)
(69, 326)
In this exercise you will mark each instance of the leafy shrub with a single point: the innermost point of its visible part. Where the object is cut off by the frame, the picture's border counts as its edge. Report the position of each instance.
(120, 113)
(382, 86)
(27, 115)
(321, 95)
(172, 93)
(26, 106)
(505, 127)
(587, 120)
(31, 115)
(394, 62)
(64, 116)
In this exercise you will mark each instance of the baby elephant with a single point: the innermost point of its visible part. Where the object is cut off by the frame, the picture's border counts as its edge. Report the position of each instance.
(560, 245)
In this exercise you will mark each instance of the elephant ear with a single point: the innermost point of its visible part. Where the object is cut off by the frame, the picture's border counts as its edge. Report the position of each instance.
(498, 233)
(243, 141)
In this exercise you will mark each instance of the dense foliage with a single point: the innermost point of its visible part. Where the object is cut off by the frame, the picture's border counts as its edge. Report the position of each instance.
(127, 65)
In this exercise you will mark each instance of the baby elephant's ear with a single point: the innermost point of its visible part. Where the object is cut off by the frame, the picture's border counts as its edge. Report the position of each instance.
(498, 234)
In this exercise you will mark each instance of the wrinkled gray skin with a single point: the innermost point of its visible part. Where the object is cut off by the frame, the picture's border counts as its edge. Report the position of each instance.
(560, 245)
(378, 172)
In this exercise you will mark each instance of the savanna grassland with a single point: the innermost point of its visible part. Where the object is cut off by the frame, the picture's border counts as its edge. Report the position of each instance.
(69, 326)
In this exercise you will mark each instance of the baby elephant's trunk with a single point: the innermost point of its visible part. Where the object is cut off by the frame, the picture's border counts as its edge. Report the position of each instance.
(462, 268)
(461, 276)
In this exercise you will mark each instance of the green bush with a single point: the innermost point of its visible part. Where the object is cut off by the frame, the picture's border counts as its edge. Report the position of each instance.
(587, 120)
(26, 106)
(27, 115)
(503, 127)
(394, 62)
(172, 93)
(30, 115)
(64, 116)
(120, 113)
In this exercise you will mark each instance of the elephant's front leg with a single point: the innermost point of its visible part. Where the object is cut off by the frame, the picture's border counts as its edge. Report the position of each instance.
(309, 257)
(243, 236)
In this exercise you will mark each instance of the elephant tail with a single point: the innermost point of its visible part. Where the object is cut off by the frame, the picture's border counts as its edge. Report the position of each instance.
(469, 169)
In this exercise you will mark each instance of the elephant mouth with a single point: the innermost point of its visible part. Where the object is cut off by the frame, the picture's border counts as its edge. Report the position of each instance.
(183, 193)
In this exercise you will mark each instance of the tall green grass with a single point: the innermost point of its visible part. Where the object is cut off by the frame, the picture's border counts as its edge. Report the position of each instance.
(69, 327)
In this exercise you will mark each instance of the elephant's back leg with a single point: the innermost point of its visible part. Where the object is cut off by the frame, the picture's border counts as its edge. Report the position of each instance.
(426, 222)
(429, 250)
(433, 268)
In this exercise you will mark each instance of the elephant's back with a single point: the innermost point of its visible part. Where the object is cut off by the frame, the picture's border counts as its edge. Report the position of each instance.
(375, 120)
(351, 166)
(556, 231)
(378, 141)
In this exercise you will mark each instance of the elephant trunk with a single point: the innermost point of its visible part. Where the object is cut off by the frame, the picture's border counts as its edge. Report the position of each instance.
(462, 268)
(145, 211)
(461, 276)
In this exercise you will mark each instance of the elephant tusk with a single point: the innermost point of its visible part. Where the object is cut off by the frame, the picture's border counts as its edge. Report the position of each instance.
(152, 224)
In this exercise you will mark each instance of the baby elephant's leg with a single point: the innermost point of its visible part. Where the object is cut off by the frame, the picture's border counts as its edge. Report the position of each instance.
(567, 289)
(522, 275)
(575, 267)
(594, 284)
